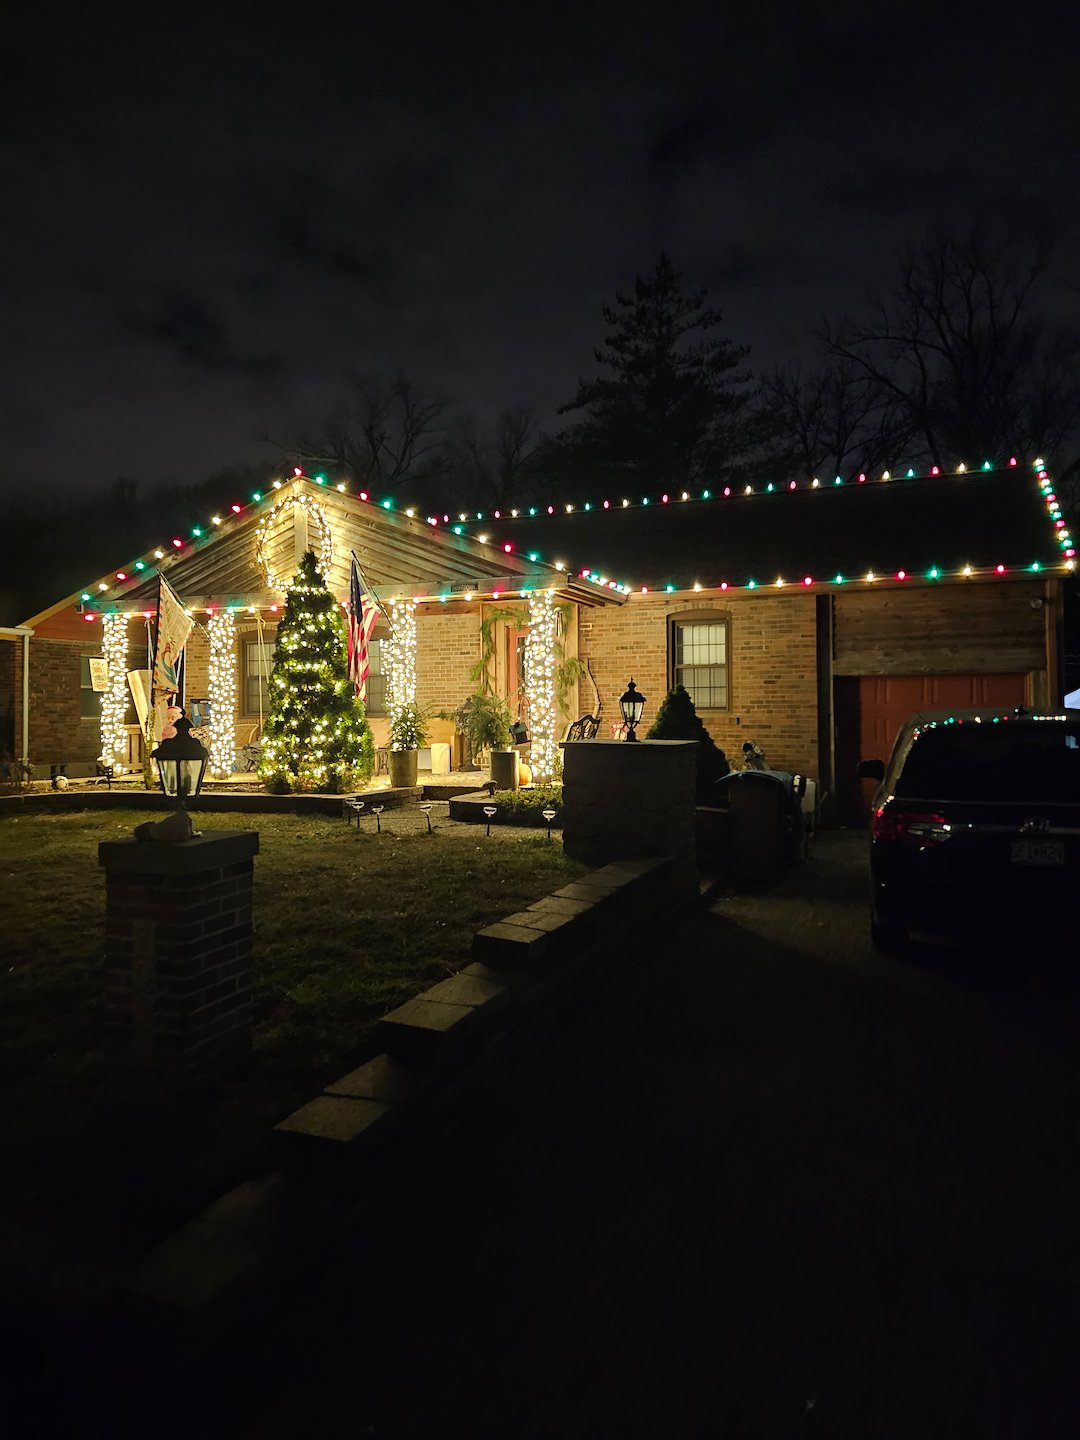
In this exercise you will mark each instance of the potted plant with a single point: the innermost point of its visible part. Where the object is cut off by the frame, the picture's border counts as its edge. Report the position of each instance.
(408, 732)
(485, 721)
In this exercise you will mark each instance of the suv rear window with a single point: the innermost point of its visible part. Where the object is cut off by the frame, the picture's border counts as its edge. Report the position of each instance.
(994, 762)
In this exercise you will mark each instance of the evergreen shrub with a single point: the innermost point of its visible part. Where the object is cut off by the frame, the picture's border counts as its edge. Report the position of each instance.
(677, 719)
(525, 807)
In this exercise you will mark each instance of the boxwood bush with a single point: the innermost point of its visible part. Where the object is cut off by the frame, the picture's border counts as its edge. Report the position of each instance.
(526, 807)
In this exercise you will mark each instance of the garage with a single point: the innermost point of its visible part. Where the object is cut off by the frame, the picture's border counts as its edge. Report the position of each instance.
(871, 708)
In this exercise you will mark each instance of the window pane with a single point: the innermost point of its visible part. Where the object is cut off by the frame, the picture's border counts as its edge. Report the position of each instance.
(258, 659)
(700, 662)
(702, 644)
(376, 695)
(89, 700)
(258, 664)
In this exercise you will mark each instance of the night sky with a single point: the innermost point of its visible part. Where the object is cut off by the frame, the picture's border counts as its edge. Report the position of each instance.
(207, 227)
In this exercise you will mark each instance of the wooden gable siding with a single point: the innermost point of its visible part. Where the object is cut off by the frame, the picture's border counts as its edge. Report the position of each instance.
(952, 629)
(397, 555)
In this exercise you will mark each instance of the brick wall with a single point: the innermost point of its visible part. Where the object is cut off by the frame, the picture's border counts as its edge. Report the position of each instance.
(10, 697)
(772, 669)
(178, 953)
(624, 801)
(57, 734)
(197, 667)
(447, 646)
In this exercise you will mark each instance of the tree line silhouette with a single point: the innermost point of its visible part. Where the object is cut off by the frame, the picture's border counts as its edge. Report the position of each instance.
(969, 351)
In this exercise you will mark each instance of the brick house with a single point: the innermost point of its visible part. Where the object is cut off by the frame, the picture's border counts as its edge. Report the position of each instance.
(240, 562)
(811, 617)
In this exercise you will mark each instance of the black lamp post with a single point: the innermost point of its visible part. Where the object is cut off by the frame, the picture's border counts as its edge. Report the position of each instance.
(632, 705)
(181, 763)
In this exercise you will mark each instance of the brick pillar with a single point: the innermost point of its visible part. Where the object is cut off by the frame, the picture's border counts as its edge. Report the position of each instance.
(178, 952)
(629, 800)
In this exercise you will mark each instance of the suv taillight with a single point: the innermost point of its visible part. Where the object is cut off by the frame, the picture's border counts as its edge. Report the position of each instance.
(915, 827)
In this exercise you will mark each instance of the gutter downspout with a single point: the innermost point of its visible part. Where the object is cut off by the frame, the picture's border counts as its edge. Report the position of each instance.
(12, 632)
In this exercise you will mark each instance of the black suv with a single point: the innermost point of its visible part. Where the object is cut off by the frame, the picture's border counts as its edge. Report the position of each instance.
(975, 825)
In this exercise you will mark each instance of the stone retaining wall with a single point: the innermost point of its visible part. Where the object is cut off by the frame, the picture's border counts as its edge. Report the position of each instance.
(341, 1153)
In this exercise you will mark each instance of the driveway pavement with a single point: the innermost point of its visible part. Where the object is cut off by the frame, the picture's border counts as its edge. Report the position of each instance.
(769, 1185)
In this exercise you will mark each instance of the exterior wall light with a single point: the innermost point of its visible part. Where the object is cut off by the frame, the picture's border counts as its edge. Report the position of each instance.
(632, 705)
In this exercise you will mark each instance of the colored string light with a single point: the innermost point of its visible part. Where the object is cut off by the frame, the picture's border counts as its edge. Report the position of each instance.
(1062, 534)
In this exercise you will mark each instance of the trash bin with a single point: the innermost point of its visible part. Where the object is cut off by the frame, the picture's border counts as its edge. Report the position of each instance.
(760, 823)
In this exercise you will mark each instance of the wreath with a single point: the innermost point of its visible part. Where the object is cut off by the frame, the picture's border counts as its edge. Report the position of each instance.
(317, 515)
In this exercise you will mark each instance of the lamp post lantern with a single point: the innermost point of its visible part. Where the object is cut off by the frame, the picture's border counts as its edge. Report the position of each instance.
(632, 705)
(181, 762)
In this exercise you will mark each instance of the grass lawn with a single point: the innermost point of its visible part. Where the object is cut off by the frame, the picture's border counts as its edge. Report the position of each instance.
(348, 924)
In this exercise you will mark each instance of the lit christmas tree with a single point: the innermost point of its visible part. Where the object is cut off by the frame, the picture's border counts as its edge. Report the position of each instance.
(316, 736)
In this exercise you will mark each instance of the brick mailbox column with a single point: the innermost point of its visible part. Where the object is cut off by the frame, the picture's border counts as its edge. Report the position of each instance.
(630, 800)
(178, 952)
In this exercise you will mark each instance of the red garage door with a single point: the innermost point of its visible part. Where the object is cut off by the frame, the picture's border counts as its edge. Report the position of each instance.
(871, 708)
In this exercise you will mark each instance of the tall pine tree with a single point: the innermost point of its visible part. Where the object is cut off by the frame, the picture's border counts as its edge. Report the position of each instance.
(316, 736)
(674, 403)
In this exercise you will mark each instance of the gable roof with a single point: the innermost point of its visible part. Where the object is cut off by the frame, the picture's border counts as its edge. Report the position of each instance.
(991, 521)
(225, 561)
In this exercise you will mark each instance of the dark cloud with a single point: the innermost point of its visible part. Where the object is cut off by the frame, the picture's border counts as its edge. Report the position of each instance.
(198, 335)
(209, 222)
(898, 186)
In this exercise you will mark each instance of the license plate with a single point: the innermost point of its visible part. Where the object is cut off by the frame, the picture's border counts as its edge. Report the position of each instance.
(1038, 852)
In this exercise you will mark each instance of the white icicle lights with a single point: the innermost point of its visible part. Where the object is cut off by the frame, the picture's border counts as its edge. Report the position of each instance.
(114, 702)
(222, 747)
(541, 650)
(401, 659)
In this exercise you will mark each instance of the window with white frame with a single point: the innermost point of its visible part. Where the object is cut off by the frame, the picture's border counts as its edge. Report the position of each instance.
(376, 680)
(698, 651)
(258, 663)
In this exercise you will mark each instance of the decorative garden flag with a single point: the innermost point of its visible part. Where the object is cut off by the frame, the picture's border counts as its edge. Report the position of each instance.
(173, 629)
(362, 617)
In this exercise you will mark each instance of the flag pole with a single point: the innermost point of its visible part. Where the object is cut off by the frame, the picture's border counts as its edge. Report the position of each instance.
(371, 590)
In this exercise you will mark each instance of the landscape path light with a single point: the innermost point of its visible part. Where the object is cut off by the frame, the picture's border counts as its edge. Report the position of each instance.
(549, 816)
(490, 811)
(425, 806)
(632, 705)
(377, 810)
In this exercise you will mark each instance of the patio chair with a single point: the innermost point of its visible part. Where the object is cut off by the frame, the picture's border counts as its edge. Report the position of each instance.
(584, 728)
(250, 752)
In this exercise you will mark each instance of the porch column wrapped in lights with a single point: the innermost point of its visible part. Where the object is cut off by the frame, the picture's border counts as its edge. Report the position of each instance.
(114, 702)
(401, 659)
(541, 645)
(222, 693)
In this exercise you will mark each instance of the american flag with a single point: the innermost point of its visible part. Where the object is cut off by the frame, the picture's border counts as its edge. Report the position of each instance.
(362, 617)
